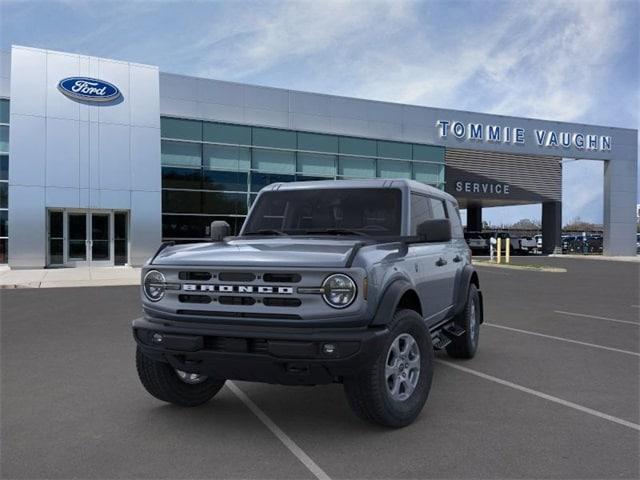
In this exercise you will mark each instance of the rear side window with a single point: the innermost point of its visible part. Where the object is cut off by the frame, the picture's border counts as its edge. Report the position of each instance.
(420, 211)
(456, 224)
(438, 209)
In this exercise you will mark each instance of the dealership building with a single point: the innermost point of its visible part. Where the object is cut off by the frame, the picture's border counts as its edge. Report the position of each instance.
(101, 160)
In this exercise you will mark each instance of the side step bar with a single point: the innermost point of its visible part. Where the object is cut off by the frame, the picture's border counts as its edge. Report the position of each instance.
(444, 336)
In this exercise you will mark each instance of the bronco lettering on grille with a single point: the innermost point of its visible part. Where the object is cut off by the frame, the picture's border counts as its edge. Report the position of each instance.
(192, 287)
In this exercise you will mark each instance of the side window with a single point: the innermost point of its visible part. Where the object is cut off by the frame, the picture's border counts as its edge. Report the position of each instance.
(438, 209)
(420, 211)
(456, 223)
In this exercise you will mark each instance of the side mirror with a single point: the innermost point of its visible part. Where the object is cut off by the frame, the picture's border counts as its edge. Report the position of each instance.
(219, 230)
(435, 230)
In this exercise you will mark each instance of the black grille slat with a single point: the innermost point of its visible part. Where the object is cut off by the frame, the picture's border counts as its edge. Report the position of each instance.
(195, 276)
(282, 302)
(232, 300)
(194, 298)
(281, 277)
(237, 276)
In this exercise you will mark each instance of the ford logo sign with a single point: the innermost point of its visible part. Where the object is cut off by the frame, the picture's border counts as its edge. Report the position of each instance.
(89, 89)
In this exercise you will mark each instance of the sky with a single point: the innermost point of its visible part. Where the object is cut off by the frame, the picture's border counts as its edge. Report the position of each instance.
(558, 60)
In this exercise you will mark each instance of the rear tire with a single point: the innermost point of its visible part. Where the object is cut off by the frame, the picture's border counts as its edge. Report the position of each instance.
(375, 396)
(163, 382)
(465, 345)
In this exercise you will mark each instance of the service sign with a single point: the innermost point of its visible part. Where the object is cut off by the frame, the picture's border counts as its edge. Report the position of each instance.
(88, 89)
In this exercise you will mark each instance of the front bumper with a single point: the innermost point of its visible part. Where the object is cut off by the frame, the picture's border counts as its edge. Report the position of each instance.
(289, 356)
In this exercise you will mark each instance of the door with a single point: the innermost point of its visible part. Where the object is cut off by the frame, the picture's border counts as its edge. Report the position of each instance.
(100, 244)
(87, 238)
(77, 240)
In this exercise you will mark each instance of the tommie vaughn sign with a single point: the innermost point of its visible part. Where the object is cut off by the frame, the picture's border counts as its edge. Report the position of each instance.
(478, 132)
(88, 89)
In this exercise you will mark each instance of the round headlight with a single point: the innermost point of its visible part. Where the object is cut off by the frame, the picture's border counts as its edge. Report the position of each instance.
(154, 285)
(339, 291)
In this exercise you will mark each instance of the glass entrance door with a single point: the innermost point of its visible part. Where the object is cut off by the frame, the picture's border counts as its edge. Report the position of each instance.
(87, 238)
(77, 240)
(100, 241)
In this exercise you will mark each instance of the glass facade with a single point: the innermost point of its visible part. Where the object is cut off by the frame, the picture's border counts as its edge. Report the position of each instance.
(212, 171)
(4, 180)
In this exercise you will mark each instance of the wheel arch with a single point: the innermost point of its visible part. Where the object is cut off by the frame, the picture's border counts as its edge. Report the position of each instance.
(468, 277)
(399, 294)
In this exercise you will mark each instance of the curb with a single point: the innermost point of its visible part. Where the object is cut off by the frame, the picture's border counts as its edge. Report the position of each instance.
(522, 267)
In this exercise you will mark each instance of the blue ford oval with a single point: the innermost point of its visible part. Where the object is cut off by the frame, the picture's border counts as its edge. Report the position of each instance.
(89, 89)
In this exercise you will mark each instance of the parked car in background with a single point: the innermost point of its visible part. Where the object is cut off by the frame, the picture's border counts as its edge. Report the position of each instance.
(478, 243)
(528, 245)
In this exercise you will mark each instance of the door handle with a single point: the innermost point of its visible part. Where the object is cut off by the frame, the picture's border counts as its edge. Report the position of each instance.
(441, 262)
(457, 258)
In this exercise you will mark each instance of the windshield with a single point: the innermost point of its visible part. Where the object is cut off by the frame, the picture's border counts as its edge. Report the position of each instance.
(358, 211)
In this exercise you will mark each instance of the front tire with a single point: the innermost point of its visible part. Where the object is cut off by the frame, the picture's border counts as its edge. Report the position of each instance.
(465, 345)
(393, 390)
(173, 386)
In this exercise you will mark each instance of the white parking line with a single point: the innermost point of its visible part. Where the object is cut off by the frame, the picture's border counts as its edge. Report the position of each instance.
(283, 437)
(562, 339)
(573, 314)
(536, 393)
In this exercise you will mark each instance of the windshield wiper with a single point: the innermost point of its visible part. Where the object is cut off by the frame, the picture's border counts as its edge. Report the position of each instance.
(267, 231)
(337, 231)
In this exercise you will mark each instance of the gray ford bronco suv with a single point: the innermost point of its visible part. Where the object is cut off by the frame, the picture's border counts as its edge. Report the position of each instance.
(349, 281)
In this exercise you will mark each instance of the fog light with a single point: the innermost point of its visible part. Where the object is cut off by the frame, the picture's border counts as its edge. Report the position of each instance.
(157, 338)
(329, 348)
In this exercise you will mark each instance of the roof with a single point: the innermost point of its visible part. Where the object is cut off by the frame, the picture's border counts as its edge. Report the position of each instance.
(401, 183)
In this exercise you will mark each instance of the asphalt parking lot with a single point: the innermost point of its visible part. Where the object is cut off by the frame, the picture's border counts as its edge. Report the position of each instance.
(552, 393)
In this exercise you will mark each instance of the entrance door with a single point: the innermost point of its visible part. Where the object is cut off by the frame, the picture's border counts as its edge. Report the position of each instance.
(100, 242)
(77, 239)
(87, 238)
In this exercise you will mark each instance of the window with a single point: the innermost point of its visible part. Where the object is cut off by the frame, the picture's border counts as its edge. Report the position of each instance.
(4, 111)
(370, 211)
(4, 139)
(176, 201)
(394, 169)
(225, 203)
(271, 137)
(358, 146)
(420, 211)
(394, 150)
(438, 208)
(428, 153)
(182, 129)
(224, 133)
(227, 158)
(194, 227)
(317, 143)
(181, 154)
(261, 180)
(4, 167)
(456, 224)
(430, 173)
(276, 161)
(4, 193)
(316, 164)
(217, 180)
(190, 178)
(357, 167)
(120, 242)
(4, 222)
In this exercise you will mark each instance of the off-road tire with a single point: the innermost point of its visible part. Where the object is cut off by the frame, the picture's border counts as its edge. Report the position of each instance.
(367, 393)
(465, 345)
(161, 380)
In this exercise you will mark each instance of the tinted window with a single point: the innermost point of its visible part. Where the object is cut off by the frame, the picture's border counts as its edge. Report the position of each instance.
(181, 178)
(176, 201)
(4, 167)
(371, 211)
(456, 224)
(438, 208)
(420, 211)
(216, 180)
(261, 180)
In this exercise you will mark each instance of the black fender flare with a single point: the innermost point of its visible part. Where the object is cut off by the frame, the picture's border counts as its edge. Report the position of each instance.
(465, 279)
(389, 301)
